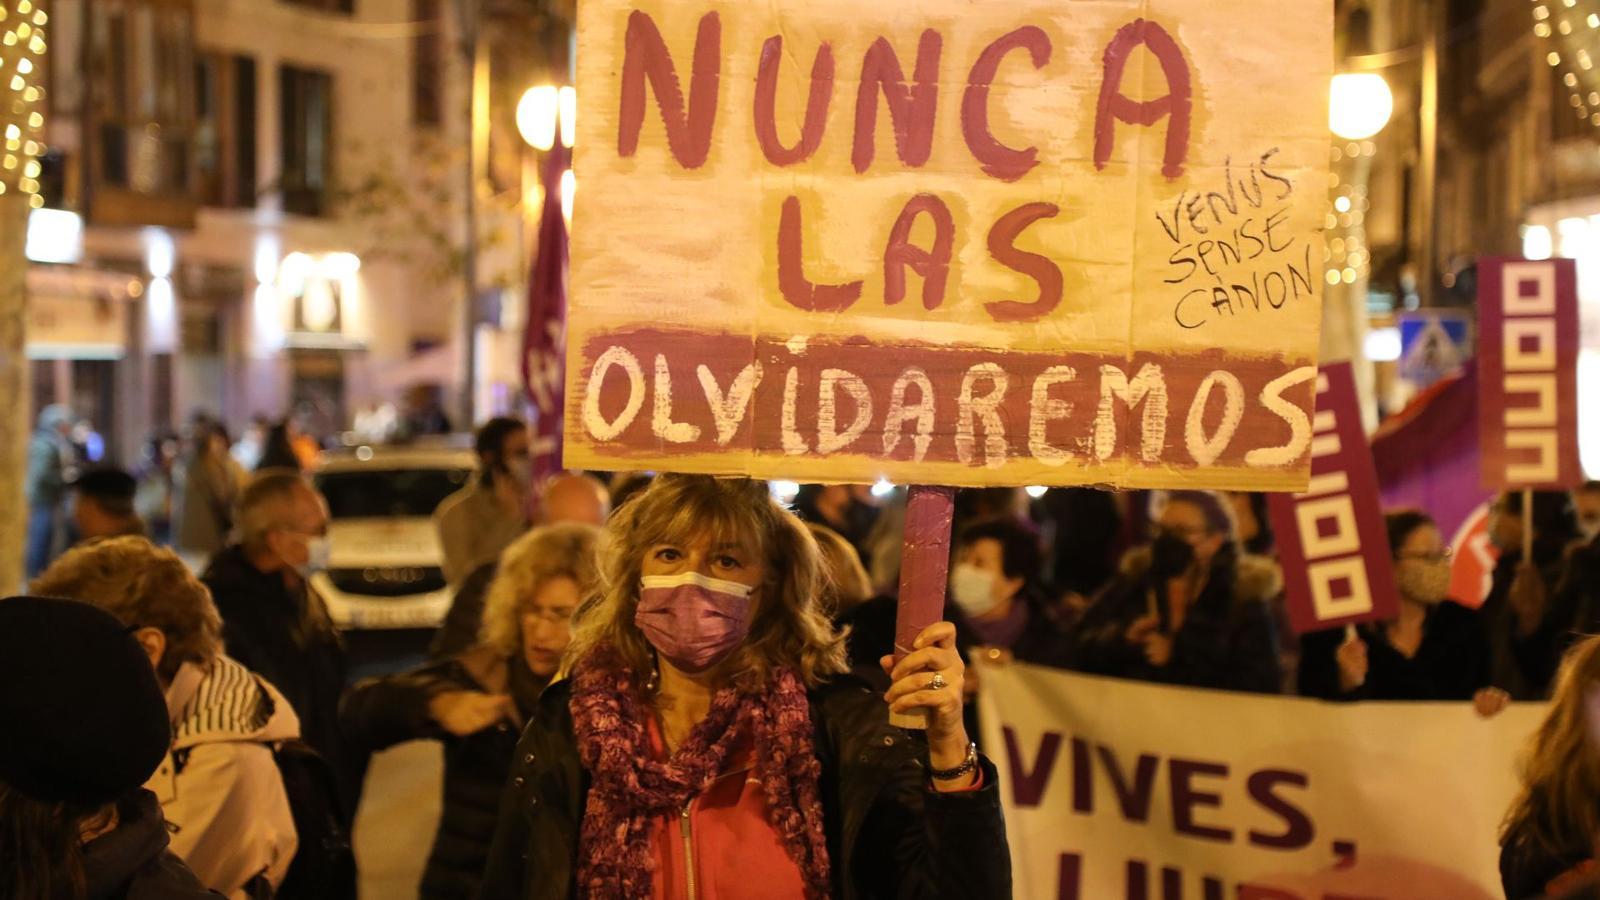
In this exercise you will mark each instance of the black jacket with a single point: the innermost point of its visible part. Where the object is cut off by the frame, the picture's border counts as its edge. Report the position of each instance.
(1227, 640)
(1526, 869)
(1525, 665)
(286, 637)
(1452, 662)
(131, 862)
(382, 712)
(889, 834)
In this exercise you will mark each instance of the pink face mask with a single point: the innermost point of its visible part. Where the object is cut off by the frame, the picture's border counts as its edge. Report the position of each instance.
(692, 620)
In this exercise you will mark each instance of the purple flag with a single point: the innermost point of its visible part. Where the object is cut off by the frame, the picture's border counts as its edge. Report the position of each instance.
(544, 341)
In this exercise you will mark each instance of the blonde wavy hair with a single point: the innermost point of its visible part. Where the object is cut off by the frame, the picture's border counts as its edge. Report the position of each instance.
(1556, 810)
(531, 562)
(789, 627)
(146, 587)
(847, 585)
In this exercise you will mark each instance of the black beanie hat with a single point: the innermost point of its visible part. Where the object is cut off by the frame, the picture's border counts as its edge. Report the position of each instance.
(83, 717)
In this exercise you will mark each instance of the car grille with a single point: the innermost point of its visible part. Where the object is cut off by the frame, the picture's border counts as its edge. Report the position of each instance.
(388, 581)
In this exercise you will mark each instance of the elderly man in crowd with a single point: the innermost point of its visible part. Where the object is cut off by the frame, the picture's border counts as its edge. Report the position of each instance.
(272, 620)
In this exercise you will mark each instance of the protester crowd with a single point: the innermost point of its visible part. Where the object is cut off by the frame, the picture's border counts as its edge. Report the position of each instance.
(627, 682)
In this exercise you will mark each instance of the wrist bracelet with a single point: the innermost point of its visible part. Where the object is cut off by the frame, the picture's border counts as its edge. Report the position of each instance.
(970, 764)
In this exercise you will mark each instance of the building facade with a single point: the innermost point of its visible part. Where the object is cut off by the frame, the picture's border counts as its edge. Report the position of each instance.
(256, 207)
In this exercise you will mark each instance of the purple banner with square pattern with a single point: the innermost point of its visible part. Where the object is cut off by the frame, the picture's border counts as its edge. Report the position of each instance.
(1331, 539)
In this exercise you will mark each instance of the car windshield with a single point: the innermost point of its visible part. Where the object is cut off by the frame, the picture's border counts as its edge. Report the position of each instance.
(389, 493)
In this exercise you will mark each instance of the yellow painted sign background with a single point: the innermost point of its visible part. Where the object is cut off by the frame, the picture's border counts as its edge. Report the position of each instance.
(686, 351)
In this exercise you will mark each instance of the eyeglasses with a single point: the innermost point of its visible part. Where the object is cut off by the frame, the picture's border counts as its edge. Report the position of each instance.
(548, 616)
(1441, 556)
(1181, 532)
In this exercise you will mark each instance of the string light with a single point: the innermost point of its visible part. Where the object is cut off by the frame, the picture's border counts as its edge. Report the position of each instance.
(1569, 50)
(21, 118)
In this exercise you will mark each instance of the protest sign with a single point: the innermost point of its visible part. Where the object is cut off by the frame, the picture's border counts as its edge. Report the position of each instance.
(1528, 406)
(1122, 789)
(1331, 538)
(1014, 243)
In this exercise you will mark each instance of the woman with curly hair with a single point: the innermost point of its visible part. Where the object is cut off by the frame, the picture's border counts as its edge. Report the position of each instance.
(476, 702)
(707, 743)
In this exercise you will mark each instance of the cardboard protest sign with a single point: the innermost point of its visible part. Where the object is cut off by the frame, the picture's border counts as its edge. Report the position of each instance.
(1117, 789)
(1528, 380)
(1337, 569)
(947, 243)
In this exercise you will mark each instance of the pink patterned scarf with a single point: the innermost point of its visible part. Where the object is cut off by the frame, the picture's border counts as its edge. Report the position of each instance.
(630, 787)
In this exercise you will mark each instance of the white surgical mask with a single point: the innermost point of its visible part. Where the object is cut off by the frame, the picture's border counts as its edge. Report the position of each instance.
(318, 552)
(972, 589)
(521, 469)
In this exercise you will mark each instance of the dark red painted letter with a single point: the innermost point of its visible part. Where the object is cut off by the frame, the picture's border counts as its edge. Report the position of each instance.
(1003, 247)
(816, 105)
(998, 160)
(646, 57)
(1115, 106)
(933, 265)
(911, 107)
(792, 280)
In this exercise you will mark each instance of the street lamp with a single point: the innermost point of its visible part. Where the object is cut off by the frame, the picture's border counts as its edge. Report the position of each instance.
(541, 110)
(1359, 105)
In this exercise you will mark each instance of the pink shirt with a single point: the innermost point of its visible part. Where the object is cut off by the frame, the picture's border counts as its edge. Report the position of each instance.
(734, 850)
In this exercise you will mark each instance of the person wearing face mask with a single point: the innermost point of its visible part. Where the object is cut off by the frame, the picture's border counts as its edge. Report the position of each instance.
(707, 743)
(274, 624)
(1586, 502)
(1531, 612)
(479, 521)
(1190, 609)
(1436, 649)
(477, 701)
(996, 598)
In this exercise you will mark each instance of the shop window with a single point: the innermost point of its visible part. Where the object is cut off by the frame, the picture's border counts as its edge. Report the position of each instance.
(225, 133)
(307, 136)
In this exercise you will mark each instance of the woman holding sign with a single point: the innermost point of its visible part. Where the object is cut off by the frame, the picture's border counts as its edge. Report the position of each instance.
(705, 742)
(1436, 649)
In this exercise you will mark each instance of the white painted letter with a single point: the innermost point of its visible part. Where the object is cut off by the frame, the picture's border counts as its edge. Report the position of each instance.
(1205, 450)
(900, 414)
(593, 418)
(1043, 410)
(729, 409)
(829, 438)
(987, 407)
(1150, 387)
(1299, 422)
(793, 443)
(661, 421)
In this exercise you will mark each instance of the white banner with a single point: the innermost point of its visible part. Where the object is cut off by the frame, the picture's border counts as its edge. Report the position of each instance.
(1117, 790)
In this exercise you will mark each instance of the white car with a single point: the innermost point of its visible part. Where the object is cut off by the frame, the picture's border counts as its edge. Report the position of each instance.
(384, 562)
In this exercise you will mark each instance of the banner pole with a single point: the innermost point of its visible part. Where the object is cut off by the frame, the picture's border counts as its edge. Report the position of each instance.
(924, 569)
(1527, 525)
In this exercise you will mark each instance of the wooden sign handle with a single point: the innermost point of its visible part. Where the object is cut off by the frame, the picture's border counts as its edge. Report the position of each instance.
(924, 570)
(1527, 526)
